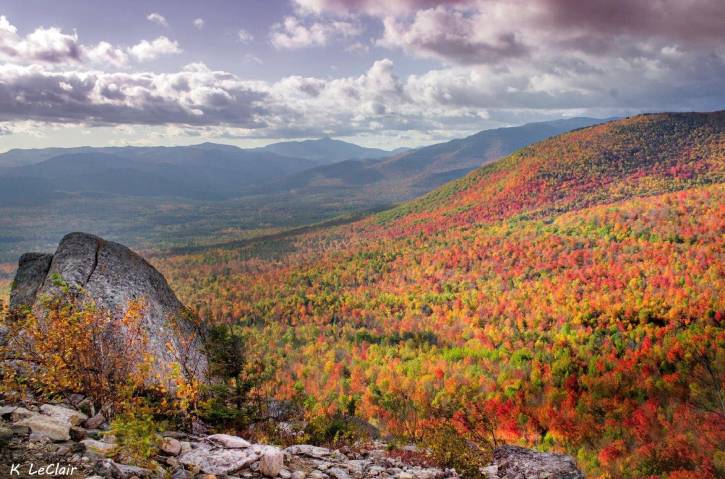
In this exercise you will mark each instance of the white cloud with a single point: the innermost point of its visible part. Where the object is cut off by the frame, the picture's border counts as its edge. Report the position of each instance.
(105, 53)
(47, 45)
(199, 23)
(456, 36)
(145, 51)
(250, 58)
(52, 46)
(294, 33)
(244, 36)
(445, 102)
(158, 19)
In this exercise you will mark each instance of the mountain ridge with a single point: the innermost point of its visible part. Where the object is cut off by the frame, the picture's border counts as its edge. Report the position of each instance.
(25, 156)
(408, 174)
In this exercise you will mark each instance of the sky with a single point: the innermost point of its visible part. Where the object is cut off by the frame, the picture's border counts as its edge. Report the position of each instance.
(382, 73)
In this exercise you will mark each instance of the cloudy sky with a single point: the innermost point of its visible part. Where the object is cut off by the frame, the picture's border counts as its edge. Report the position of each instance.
(378, 72)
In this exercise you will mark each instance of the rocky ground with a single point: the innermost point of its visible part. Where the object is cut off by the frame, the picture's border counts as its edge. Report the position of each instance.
(68, 443)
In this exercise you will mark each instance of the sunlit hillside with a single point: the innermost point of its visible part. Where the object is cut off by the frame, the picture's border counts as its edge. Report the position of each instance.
(567, 297)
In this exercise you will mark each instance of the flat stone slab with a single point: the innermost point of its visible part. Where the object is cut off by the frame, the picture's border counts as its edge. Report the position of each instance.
(99, 447)
(15, 413)
(64, 414)
(513, 462)
(310, 451)
(229, 442)
(219, 461)
(47, 426)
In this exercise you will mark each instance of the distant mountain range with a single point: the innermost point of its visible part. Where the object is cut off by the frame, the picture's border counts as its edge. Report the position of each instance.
(216, 172)
(407, 174)
(325, 150)
(207, 171)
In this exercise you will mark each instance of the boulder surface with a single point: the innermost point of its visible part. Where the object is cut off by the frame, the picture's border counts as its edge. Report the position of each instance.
(111, 276)
(513, 462)
(32, 271)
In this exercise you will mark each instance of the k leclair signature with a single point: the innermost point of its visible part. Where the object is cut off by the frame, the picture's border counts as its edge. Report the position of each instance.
(53, 470)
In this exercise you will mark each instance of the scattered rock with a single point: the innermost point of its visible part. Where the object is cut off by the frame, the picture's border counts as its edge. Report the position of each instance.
(338, 473)
(5, 411)
(99, 448)
(95, 422)
(111, 469)
(271, 462)
(20, 413)
(181, 473)
(185, 447)
(87, 407)
(78, 433)
(5, 435)
(47, 426)
(38, 437)
(170, 446)
(232, 457)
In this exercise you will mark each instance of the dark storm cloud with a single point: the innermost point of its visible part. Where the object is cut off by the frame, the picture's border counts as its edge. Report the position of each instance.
(28, 93)
(696, 21)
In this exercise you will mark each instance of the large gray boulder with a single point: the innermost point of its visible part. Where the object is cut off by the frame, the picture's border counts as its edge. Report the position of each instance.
(111, 276)
(513, 462)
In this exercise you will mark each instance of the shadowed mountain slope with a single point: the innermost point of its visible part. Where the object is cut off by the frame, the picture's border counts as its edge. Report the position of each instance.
(405, 175)
(325, 150)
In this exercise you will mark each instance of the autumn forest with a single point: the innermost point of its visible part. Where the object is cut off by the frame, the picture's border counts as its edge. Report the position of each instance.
(568, 297)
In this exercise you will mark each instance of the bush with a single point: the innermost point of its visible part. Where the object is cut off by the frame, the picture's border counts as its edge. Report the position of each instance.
(449, 449)
(336, 430)
(77, 348)
(137, 437)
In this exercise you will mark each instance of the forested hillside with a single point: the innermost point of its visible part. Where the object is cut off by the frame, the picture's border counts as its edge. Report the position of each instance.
(568, 297)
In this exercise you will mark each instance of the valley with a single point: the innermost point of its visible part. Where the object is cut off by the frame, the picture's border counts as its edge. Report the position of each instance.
(155, 198)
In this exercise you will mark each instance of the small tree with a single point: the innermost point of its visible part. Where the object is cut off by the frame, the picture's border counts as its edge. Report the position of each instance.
(235, 378)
